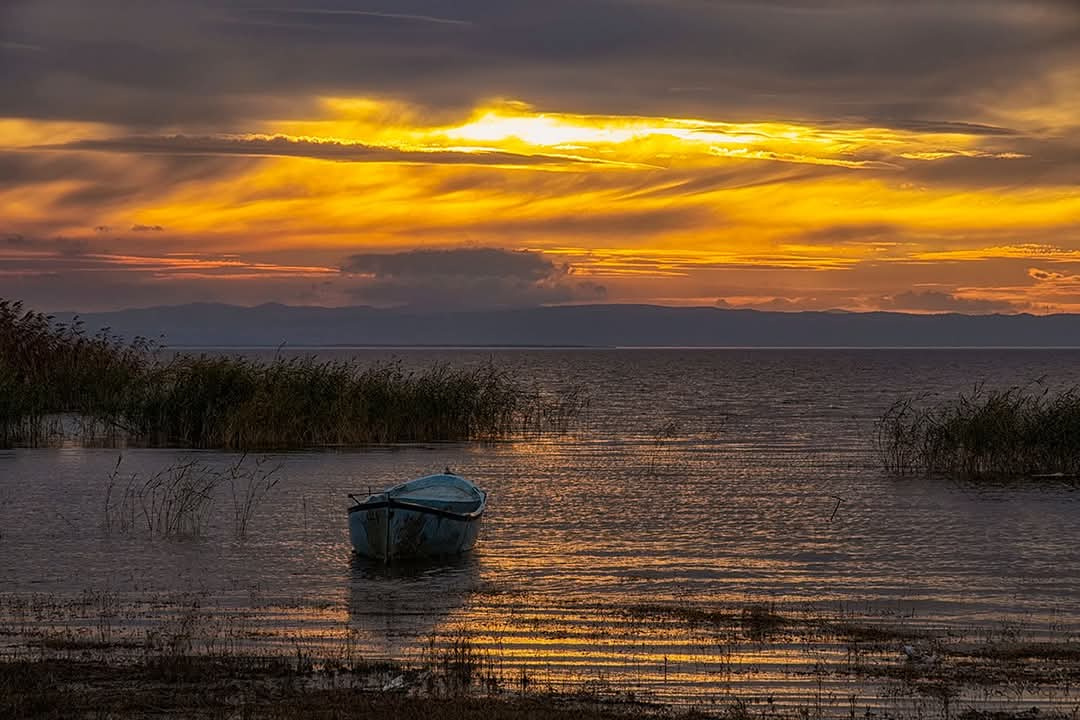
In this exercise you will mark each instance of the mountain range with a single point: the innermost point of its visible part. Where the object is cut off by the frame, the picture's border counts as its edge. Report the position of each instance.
(271, 325)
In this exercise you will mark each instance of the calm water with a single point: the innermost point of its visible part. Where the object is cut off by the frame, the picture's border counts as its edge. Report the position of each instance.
(701, 477)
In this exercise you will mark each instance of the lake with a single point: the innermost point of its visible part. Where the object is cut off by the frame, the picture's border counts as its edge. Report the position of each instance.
(699, 479)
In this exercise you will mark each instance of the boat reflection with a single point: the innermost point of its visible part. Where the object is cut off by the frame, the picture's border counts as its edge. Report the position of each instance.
(395, 609)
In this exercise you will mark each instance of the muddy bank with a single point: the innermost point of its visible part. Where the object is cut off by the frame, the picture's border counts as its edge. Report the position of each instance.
(734, 661)
(212, 689)
(239, 688)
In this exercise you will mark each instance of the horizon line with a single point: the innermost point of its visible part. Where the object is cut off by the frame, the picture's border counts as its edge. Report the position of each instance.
(530, 346)
(441, 311)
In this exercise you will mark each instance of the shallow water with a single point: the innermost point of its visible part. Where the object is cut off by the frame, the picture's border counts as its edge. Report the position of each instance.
(700, 478)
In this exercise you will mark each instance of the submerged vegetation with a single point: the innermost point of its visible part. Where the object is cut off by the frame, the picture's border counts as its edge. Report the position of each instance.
(56, 381)
(1018, 432)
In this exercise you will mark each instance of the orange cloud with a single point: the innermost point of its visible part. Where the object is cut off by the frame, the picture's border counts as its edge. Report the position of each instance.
(662, 209)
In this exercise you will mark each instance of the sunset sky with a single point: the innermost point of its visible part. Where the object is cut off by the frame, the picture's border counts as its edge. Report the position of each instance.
(775, 154)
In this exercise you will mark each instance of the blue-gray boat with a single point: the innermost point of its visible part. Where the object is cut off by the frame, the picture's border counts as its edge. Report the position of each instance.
(433, 516)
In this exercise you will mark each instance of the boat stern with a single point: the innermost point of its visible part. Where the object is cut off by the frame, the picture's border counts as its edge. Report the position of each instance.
(368, 529)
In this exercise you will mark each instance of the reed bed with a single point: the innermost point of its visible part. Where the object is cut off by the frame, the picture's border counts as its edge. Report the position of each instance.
(57, 381)
(49, 368)
(1029, 431)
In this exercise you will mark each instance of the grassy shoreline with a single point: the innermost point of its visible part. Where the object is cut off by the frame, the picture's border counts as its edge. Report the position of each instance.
(103, 654)
(82, 685)
(57, 382)
(215, 690)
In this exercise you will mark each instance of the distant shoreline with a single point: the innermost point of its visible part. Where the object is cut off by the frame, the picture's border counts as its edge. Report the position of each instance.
(352, 346)
(576, 327)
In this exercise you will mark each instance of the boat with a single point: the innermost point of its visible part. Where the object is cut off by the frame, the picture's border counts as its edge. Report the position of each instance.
(433, 516)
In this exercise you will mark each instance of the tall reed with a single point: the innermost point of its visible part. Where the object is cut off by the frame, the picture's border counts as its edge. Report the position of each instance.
(178, 500)
(1016, 432)
(53, 376)
(173, 502)
(49, 368)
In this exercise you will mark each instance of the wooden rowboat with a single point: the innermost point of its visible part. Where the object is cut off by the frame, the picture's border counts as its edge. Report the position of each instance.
(433, 516)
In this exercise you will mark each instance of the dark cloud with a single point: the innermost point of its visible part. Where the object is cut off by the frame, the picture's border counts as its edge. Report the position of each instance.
(68, 274)
(147, 228)
(584, 222)
(737, 175)
(223, 62)
(340, 13)
(57, 245)
(464, 262)
(279, 146)
(39, 272)
(1044, 275)
(1053, 276)
(936, 301)
(1021, 162)
(457, 292)
(465, 278)
(17, 240)
(61, 290)
(783, 304)
(25, 169)
(963, 128)
(857, 234)
(18, 47)
(92, 186)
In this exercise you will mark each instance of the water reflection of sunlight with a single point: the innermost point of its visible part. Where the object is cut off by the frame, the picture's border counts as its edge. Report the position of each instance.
(393, 608)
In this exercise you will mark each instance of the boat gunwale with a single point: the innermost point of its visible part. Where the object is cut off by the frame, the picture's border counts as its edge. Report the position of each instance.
(416, 507)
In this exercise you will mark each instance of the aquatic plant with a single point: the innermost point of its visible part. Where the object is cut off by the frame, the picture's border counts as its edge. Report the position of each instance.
(248, 487)
(56, 381)
(178, 500)
(174, 501)
(49, 369)
(1021, 431)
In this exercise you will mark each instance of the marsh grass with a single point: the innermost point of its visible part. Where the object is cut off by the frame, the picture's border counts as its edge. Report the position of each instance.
(57, 382)
(174, 501)
(49, 369)
(215, 689)
(168, 647)
(178, 500)
(985, 433)
(455, 666)
(248, 487)
(660, 442)
(552, 412)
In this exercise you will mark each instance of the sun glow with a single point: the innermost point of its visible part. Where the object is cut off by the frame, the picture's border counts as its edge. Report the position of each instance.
(653, 207)
(653, 141)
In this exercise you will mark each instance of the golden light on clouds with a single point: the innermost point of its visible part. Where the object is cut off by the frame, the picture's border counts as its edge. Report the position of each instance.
(656, 209)
(21, 133)
(660, 142)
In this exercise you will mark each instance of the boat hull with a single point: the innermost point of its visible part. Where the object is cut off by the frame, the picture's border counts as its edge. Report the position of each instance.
(394, 532)
(435, 516)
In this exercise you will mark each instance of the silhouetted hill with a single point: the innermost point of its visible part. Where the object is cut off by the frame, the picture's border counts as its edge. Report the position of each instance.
(581, 325)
